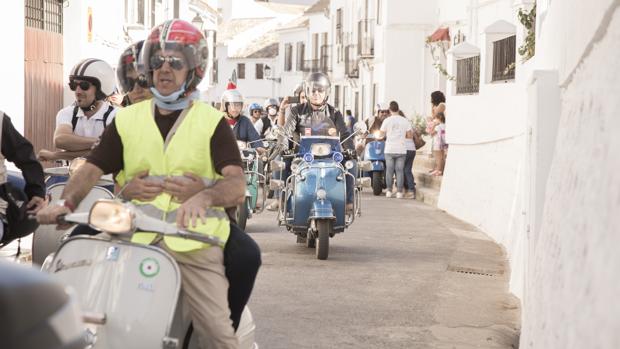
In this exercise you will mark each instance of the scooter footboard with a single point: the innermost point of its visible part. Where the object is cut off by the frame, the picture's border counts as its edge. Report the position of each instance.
(135, 286)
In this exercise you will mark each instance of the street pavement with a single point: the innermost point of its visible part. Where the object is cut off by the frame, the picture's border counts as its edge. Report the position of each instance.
(405, 275)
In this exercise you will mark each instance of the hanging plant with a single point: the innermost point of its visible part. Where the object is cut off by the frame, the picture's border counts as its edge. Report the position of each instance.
(528, 19)
(438, 48)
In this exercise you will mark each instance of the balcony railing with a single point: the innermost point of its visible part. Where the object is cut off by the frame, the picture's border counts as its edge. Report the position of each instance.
(468, 75)
(351, 68)
(504, 55)
(366, 38)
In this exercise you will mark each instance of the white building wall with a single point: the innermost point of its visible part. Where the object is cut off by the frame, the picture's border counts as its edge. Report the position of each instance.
(12, 67)
(487, 133)
(290, 79)
(572, 284)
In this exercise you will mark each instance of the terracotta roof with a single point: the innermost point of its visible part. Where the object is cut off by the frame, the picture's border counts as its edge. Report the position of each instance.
(266, 46)
(300, 22)
(319, 6)
(228, 30)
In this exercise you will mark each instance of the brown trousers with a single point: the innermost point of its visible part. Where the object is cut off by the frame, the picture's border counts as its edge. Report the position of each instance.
(204, 289)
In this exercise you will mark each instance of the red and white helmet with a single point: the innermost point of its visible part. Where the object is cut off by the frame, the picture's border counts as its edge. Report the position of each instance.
(182, 36)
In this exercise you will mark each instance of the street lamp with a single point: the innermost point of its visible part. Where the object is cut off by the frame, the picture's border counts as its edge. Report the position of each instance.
(198, 22)
(267, 73)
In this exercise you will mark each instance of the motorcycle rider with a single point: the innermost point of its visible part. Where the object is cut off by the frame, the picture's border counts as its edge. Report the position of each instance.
(14, 222)
(256, 113)
(176, 53)
(232, 105)
(79, 126)
(272, 109)
(130, 75)
(317, 117)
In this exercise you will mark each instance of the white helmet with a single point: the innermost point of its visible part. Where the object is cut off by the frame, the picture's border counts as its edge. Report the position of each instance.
(97, 72)
(232, 96)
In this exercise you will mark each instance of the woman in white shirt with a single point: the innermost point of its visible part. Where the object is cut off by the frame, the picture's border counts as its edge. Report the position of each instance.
(395, 129)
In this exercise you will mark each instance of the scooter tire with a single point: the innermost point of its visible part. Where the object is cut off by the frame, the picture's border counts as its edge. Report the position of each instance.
(322, 247)
(377, 183)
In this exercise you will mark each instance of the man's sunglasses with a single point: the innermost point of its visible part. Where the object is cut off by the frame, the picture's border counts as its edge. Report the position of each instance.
(175, 62)
(84, 85)
(318, 90)
(140, 80)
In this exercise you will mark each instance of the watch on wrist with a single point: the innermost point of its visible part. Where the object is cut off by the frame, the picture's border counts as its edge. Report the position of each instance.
(65, 203)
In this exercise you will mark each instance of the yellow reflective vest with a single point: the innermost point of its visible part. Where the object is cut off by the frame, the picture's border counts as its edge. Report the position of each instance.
(187, 148)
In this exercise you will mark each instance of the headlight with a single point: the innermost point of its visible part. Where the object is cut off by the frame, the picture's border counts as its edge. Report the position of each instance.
(321, 194)
(75, 165)
(338, 157)
(308, 157)
(348, 165)
(242, 145)
(320, 149)
(111, 217)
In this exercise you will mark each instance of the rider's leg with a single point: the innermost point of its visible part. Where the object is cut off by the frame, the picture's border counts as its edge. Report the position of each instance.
(204, 289)
(242, 260)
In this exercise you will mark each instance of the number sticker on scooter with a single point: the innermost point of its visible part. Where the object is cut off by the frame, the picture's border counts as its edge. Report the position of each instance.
(149, 267)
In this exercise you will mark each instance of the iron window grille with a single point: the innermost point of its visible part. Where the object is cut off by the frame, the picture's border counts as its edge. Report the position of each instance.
(468, 75)
(504, 56)
(44, 14)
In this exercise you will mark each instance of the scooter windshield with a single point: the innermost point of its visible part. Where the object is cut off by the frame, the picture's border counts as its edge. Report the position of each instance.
(317, 123)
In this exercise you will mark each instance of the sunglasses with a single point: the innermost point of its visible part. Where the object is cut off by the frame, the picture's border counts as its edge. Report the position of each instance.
(84, 85)
(256, 111)
(318, 90)
(140, 80)
(175, 62)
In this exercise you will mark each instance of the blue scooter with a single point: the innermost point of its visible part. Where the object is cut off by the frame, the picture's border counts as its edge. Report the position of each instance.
(374, 152)
(313, 197)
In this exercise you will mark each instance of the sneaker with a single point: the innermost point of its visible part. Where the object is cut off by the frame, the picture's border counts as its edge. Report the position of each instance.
(273, 206)
(399, 195)
(410, 195)
(388, 194)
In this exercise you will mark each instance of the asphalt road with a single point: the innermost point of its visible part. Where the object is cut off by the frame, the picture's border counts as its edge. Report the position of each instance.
(390, 282)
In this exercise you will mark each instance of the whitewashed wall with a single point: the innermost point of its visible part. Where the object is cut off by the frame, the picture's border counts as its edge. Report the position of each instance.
(573, 284)
(291, 78)
(484, 176)
(12, 67)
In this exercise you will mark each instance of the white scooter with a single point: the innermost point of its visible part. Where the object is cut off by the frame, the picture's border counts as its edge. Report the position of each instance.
(130, 292)
(47, 239)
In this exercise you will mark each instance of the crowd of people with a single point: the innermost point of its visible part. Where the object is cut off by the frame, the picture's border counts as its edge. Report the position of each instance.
(167, 151)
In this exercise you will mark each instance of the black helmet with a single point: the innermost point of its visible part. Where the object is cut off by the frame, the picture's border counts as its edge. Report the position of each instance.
(128, 62)
(317, 81)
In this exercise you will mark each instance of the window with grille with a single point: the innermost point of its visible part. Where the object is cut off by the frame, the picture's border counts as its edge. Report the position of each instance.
(288, 57)
(259, 71)
(337, 96)
(504, 56)
(468, 75)
(240, 70)
(301, 48)
(339, 26)
(44, 14)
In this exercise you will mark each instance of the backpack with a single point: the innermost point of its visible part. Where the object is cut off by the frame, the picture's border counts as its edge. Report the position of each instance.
(74, 119)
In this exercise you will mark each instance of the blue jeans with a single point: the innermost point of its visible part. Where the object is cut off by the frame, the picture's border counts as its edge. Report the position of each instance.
(394, 163)
(409, 180)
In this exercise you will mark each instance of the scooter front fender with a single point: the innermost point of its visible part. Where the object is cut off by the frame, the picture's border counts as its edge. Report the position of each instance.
(321, 209)
(378, 166)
